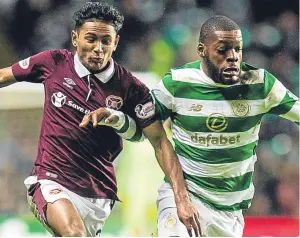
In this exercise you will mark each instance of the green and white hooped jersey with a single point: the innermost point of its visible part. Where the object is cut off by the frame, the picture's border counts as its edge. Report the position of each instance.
(215, 128)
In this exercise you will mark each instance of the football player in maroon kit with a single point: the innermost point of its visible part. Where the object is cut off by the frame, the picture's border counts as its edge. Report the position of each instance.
(72, 187)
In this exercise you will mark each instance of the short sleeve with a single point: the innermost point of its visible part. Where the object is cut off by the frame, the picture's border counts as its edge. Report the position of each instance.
(34, 69)
(164, 100)
(280, 100)
(142, 103)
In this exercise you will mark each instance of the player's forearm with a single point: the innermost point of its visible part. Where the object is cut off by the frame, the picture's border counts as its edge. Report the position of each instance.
(169, 163)
(123, 124)
(167, 159)
(6, 77)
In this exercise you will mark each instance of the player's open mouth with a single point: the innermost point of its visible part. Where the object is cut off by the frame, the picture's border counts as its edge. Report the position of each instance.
(231, 72)
(97, 59)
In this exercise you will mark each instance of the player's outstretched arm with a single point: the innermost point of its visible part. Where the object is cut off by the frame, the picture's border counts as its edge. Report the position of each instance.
(123, 124)
(170, 165)
(6, 77)
(279, 100)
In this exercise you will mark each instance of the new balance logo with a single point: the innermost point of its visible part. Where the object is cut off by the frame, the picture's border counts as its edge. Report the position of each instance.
(69, 83)
(195, 107)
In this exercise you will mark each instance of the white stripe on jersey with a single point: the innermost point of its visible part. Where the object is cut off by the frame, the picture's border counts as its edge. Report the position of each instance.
(239, 138)
(225, 170)
(164, 95)
(293, 114)
(222, 198)
(208, 107)
(276, 95)
(130, 131)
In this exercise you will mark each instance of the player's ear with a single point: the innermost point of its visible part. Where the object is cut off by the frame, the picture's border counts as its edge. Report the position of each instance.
(74, 37)
(200, 49)
(116, 42)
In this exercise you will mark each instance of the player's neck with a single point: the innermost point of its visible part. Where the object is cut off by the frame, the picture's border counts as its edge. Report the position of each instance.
(206, 71)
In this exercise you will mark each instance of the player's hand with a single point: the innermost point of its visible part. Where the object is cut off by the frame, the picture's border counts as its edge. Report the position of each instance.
(101, 115)
(189, 216)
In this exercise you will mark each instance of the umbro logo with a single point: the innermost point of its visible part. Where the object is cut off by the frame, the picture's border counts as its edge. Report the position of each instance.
(69, 83)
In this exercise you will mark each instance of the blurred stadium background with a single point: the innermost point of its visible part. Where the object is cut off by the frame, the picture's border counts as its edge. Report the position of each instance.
(157, 35)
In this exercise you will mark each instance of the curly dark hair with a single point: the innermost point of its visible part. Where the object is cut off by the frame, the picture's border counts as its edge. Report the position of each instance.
(100, 11)
(216, 23)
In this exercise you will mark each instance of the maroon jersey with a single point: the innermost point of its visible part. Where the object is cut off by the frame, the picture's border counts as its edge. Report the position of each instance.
(81, 158)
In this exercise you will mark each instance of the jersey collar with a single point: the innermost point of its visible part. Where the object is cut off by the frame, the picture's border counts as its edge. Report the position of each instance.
(103, 76)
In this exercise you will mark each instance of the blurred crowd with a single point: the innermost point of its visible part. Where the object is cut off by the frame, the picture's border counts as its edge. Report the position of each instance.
(158, 35)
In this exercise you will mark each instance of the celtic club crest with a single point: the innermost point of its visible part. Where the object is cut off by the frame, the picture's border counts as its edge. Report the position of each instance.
(170, 222)
(240, 108)
(114, 102)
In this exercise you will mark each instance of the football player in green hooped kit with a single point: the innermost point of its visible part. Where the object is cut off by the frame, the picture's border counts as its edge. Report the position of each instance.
(216, 106)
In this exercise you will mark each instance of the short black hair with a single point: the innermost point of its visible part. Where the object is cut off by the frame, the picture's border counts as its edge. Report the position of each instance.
(100, 11)
(216, 23)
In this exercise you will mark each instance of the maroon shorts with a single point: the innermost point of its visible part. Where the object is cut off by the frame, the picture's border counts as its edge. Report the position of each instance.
(38, 205)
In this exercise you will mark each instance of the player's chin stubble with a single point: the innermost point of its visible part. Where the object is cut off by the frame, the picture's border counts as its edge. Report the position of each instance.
(214, 72)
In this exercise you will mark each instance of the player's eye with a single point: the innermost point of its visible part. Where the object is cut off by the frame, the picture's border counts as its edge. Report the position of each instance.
(238, 48)
(90, 39)
(221, 51)
(106, 41)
